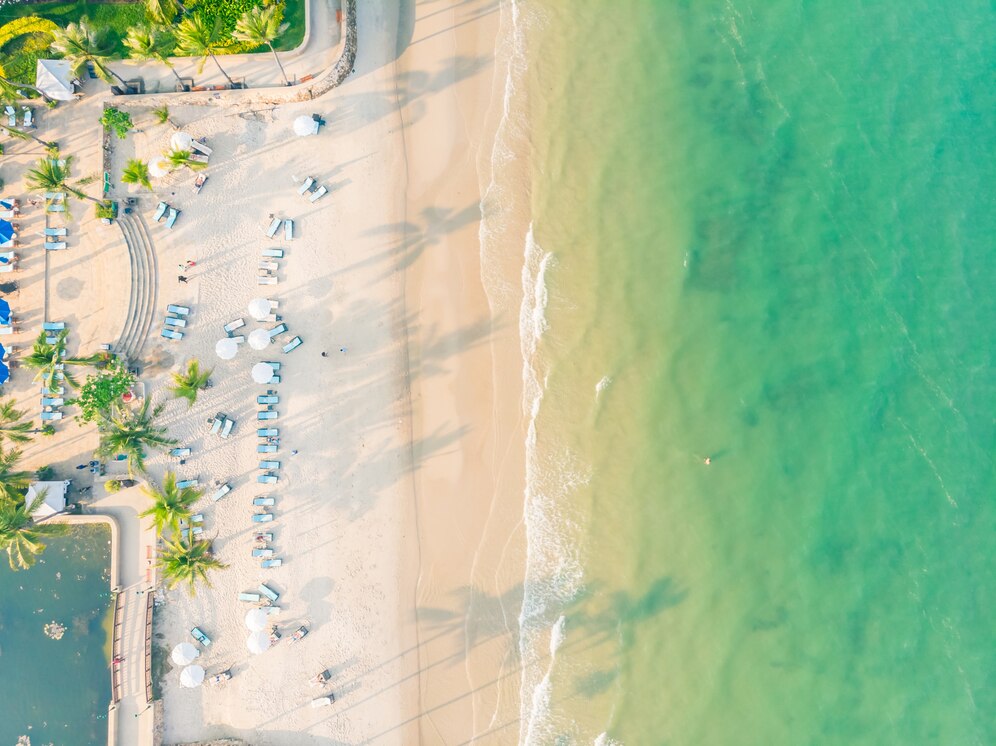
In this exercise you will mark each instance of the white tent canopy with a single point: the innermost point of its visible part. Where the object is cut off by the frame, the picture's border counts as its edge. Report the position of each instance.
(191, 676)
(256, 619)
(262, 373)
(226, 348)
(258, 642)
(305, 125)
(54, 79)
(184, 653)
(259, 339)
(54, 501)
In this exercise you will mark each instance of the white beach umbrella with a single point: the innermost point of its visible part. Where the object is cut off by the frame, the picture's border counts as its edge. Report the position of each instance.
(184, 653)
(258, 642)
(226, 348)
(191, 676)
(259, 339)
(158, 167)
(256, 620)
(180, 141)
(305, 125)
(259, 308)
(262, 373)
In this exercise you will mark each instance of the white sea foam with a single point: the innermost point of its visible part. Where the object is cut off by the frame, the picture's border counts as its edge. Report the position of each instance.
(603, 383)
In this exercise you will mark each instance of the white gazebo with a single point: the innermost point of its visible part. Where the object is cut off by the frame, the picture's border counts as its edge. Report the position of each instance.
(54, 501)
(54, 79)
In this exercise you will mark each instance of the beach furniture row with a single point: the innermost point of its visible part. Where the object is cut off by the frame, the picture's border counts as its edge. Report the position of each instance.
(164, 210)
(274, 228)
(175, 322)
(311, 190)
(221, 425)
(27, 117)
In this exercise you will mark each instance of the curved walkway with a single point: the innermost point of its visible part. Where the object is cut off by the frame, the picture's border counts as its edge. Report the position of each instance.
(142, 301)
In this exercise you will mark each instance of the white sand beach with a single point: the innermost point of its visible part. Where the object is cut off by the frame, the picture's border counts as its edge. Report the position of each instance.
(398, 518)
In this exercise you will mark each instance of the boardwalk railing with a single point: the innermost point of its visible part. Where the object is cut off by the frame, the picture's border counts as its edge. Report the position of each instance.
(148, 648)
(116, 647)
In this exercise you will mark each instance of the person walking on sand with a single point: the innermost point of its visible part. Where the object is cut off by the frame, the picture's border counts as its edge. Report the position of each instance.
(182, 278)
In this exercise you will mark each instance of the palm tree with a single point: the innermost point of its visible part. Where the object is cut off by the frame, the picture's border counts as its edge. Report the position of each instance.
(162, 116)
(259, 26)
(196, 36)
(179, 158)
(49, 175)
(11, 425)
(131, 433)
(162, 11)
(170, 504)
(80, 44)
(10, 90)
(137, 172)
(183, 562)
(46, 358)
(187, 384)
(26, 135)
(13, 482)
(147, 43)
(20, 536)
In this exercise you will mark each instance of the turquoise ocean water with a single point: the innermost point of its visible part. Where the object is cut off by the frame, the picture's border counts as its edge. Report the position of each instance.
(761, 234)
(57, 691)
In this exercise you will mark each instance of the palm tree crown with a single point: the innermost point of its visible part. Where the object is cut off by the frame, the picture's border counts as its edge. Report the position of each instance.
(170, 504)
(145, 43)
(187, 384)
(52, 175)
(187, 562)
(12, 426)
(262, 25)
(162, 11)
(131, 433)
(20, 536)
(137, 172)
(13, 482)
(46, 359)
(179, 158)
(196, 36)
(79, 44)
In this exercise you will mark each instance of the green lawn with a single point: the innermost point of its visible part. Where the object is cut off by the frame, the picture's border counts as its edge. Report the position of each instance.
(20, 54)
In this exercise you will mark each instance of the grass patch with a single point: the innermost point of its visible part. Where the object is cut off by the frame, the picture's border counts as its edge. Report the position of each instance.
(292, 38)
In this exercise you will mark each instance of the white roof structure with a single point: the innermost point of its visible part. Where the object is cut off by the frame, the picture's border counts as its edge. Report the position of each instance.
(55, 497)
(54, 79)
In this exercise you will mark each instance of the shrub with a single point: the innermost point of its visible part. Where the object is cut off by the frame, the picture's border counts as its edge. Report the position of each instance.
(45, 474)
(48, 430)
(101, 391)
(116, 120)
(105, 211)
(112, 486)
(25, 25)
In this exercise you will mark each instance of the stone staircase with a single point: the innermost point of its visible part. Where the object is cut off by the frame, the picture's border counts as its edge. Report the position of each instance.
(142, 300)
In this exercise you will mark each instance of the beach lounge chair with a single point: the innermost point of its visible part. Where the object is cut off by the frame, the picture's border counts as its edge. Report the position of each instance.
(200, 147)
(52, 401)
(11, 116)
(262, 518)
(306, 186)
(198, 635)
(267, 414)
(199, 183)
(6, 329)
(269, 563)
(53, 391)
(10, 267)
(266, 465)
(262, 553)
(178, 310)
(55, 232)
(55, 245)
(277, 330)
(196, 158)
(216, 424)
(292, 345)
(55, 207)
(54, 326)
(46, 416)
(274, 253)
(174, 321)
(299, 634)
(268, 592)
(170, 334)
(319, 194)
(180, 452)
(252, 598)
(197, 518)
(161, 209)
(274, 227)
(322, 701)
(267, 399)
(187, 483)
(266, 280)
(221, 492)
(227, 429)
(269, 266)
(260, 536)
(266, 501)
(55, 196)
(268, 432)
(288, 230)
(239, 339)
(275, 366)
(262, 478)
(173, 215)
(266, 449)
(231, 326)
(29, 116)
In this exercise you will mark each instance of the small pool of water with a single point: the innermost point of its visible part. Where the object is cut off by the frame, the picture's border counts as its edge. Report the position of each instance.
(57, 691)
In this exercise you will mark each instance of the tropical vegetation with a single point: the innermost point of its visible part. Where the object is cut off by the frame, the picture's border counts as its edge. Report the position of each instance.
(13, 426)
(52, 175)
(46, 358)
(260, 26)
(151, 43)
(13, 481)
(170, 504)
(131, 432)
(118, 121)
(20, 536)
(187, 562)
(101, 392)
(189, 382)
(199, 36)
(81, 44)
(136, 171)
(180, 158)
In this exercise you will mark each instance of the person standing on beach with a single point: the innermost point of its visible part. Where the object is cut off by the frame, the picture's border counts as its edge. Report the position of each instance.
(181, 278)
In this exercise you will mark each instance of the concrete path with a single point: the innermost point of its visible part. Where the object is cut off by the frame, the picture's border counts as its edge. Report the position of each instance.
(131, 722)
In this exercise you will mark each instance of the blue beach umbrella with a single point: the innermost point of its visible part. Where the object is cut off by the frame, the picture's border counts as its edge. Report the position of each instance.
(3, 352)
(4, 372)
(6, 204)
(6, 231)
(4, 312)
